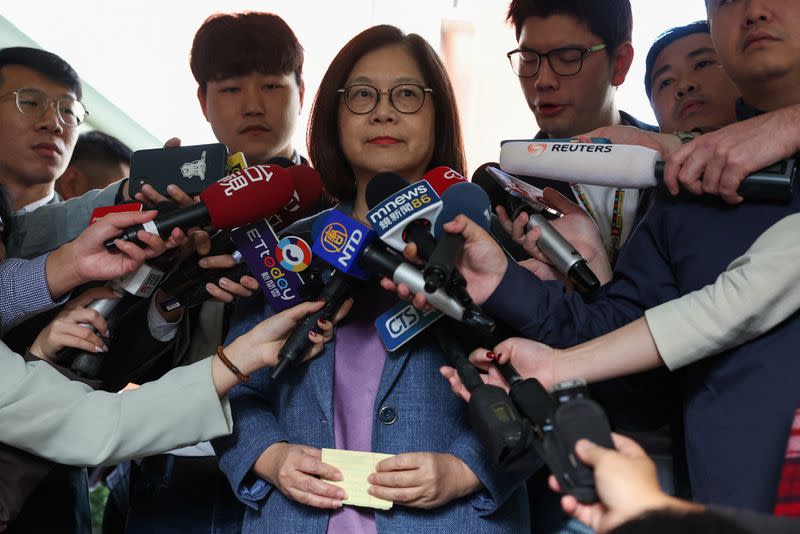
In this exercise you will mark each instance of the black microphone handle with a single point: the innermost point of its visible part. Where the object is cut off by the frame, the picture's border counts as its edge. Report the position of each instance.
(458, 357)
(441, 263)
(190, 272)
(89, 364)
(420, 235)
(185, 218)
(770, 184)
(297, 347)
(198, 294)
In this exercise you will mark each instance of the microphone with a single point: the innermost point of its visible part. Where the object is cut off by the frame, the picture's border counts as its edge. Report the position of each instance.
(557, 249)
(255, 193)
(628, 166)
(352, 248)
(140, 283)
(401, 212)
(462, 198)
(442, 178)
(194, 294)
(335, 291)
(307, 189)
(297, 346)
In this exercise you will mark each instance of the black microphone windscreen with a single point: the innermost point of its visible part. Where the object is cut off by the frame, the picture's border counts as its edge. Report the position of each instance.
(383, 185)
(482, 178)
(464, 198)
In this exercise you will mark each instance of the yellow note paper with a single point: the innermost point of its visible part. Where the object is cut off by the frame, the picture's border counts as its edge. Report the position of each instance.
(356, 467)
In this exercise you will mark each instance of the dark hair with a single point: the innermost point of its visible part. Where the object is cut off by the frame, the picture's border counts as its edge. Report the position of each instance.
(669, 521)
(45, 63)
(236, 44)
(324, 147)
(663, 41)
(99, 146)
(611, 20)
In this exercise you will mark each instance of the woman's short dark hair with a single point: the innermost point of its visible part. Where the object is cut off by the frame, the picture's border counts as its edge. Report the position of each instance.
(324, 146)
(236, 44)
(611, 20)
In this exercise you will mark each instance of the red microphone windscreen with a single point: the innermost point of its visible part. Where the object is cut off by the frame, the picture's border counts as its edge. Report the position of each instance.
(247, 195)
(442, 178)
(307, 190)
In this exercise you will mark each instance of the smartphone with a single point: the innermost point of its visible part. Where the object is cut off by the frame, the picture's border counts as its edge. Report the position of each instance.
(192, 168)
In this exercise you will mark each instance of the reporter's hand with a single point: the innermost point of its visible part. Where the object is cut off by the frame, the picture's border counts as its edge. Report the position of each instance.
(67, 329)
(576, 226)
(296, 471)
(228, 289)
(492, 377)
(482, 262)
(716, 163)
(259, 347)
(529, 358)
(664, 144)
(626, 483)
(85, 258)
(422, 479)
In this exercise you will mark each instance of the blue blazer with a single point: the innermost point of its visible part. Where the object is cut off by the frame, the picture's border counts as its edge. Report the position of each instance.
(414, 411)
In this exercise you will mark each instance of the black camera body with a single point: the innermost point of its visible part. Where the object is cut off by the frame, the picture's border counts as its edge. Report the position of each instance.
(576, 417)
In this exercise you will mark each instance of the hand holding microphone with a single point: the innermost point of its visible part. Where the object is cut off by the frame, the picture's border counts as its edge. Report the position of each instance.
(241, 198)
(560, 252)
(637, 167)
(577, 227)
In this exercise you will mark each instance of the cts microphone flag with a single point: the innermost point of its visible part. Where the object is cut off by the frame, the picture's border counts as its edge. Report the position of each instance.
(243, 197)
(627, 166)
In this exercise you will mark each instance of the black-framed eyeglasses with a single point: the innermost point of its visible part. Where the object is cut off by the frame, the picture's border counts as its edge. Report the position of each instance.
(406, 98)
(34, 102)
(564, 61)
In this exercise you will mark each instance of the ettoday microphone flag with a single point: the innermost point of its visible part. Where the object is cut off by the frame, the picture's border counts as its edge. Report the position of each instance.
(274, 263)
(629, 166)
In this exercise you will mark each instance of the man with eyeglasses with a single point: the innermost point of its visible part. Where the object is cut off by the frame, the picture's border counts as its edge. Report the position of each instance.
(40, 110)
(571, 57)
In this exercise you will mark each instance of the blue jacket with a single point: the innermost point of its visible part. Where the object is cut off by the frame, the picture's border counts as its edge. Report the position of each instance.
(738, 405)
(299, 409)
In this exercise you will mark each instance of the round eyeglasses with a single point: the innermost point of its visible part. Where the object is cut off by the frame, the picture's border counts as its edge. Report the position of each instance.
(563, 61)
(34, 102)
(406, 98)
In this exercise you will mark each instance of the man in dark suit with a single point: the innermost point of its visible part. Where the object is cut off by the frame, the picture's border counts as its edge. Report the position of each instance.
(570, 58)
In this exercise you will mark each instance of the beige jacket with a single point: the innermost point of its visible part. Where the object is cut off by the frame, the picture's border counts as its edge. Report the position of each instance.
(67, 422)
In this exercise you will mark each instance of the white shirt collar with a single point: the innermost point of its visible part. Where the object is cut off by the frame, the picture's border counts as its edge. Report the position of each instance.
(38, 203)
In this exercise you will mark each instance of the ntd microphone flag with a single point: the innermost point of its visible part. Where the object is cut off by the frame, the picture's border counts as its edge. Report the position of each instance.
(340, 242)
